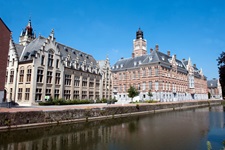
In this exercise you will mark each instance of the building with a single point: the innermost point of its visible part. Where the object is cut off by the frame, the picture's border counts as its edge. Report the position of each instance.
(40, 68)
(214, 88)
(106, 82)
(165, 76)
(4, 48)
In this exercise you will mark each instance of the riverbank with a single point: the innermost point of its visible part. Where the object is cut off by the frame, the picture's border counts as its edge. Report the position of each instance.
(28, 117)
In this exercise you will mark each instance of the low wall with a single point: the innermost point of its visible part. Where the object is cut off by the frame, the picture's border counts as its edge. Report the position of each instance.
(23, 119)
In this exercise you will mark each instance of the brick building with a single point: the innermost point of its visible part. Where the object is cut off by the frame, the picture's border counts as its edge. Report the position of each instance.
(168, 78)
(4, 48)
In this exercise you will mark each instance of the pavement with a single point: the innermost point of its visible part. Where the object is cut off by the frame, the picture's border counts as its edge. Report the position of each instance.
(80, 106)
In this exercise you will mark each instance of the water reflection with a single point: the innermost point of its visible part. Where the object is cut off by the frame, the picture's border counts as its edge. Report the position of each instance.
(173, 130)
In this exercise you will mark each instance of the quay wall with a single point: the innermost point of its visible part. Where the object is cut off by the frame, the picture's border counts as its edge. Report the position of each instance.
(25, 119)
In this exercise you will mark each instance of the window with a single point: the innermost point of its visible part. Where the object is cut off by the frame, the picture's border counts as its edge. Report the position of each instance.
(84, 82)
(11, 76)
(67, 79)
(76, 94)
(38, 94)
(21, 75)
(57, 63)
(13, 60)
(48, 92)
(150, 85)
(191, 81)
(91, 95)
(134, 76)
(29, 74)
(84, 95)
(150, 72)
(39, 76)
(57, 78)
(56, 94)
(50, 59)
(20, 91)
(97, 83)
(143, 72)
(67, 94)
(42, 60)
(91, 83)
(27, 94)
(77, 81)
(156, 86)
(143, 86)
(156, 72)
(49, 77)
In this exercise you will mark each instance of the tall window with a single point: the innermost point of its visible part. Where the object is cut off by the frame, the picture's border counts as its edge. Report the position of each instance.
(57, 78)
(76, 81)
(156, 86)
(56, 93)
(11, 76)
(67, 94)
(84, 95)
(84, 82)
(48, 92)
(27, 94)
(21, 74)
(150, 85)
(50, 59)
(39, 76)
(20, 91)
(42, 60)
(38, 94)
(134, 76)
(29, 74)
(143, 72)
(143, 86)
(57, 63)
(191, 81)
(67, 79)
(91, 83)
(49, 77)
(150, 71)
(156, 72)
(76, 94)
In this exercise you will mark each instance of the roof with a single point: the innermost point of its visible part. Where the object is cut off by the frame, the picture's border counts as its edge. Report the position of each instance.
(212, 83)
(152, 58)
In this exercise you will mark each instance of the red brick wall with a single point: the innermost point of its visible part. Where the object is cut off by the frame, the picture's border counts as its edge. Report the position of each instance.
(4, 48)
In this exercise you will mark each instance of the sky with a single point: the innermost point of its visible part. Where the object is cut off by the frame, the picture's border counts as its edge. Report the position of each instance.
(192, 29)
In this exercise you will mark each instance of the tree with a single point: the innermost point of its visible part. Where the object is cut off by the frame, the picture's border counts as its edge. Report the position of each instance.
(132, 92)
(221, 67)
(150, 94)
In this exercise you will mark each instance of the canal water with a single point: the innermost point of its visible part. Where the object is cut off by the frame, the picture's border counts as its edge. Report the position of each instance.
(176, 130)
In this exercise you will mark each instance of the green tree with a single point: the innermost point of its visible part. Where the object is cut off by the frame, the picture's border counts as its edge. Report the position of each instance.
(132, 92)
(150, 94)
(221, 67)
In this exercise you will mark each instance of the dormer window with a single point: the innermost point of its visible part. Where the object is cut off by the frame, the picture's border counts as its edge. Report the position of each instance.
(163, 58)
(135, 63)
(121, 66)
(117, 66)
(150, 58)
(139, 61)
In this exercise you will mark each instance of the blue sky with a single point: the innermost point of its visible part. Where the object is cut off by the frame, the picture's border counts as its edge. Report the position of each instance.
(188, 28)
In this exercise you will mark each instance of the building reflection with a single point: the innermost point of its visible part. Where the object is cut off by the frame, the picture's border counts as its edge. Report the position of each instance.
(179, 130)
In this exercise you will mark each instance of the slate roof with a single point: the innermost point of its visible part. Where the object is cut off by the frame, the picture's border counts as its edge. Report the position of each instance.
(19, 49)
(212, 83)
(34, 46)
(154, 57)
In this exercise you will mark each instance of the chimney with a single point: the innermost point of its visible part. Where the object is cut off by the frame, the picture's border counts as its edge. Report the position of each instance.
(157, 47)
(132, 55)
(168, 52)
(183, 59)
(175, 56)
(151, 50)
(194, 65)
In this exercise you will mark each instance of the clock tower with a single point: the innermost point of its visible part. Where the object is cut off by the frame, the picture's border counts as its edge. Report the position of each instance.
(139, 44)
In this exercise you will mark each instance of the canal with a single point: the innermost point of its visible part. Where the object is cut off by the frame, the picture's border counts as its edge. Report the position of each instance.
(176, 130)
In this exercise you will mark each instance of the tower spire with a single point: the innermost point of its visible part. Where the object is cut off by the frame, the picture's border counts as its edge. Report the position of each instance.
(27, 34)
